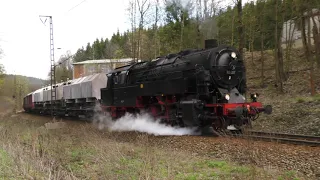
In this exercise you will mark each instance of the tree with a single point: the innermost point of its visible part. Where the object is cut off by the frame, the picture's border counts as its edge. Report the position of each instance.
(2, 71)
(2, 75)
(316, 38)
(89, 54)
(179, 30)
(289, 8)
(240, 26)
(307, 50)
(225, 26)
(80, 55)
(304, 8)
(208, 26)
(155, 29)
(143, 7)
(132, 10)
(280, 76)
(184, 24)
(63, 69)
(260, 9)
(21, 89)
(250, 32)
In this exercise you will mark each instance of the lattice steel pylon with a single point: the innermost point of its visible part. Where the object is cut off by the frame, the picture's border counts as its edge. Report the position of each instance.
(53, 67)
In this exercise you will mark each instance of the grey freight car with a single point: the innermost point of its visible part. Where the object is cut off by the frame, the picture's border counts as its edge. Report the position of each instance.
(85, 88)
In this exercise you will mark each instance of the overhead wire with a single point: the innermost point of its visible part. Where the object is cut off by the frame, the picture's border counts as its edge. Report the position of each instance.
(44, 22)
(66, 59)
(76, 6)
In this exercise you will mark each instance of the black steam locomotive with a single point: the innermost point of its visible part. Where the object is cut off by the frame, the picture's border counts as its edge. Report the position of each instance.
(195, 88)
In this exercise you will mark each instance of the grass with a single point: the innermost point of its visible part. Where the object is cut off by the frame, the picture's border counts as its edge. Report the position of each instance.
(5, 164)
(79, 151)
(288, 175)
(301, 99)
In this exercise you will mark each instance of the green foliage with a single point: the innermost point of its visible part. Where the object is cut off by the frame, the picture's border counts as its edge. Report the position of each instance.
(182, 29)
(22, 89)
(5, 164)
(80, 55)
(2, 71)
(116, 47)
(288, 175)
(63, 73)
(63, 70)
(18, 86)
(2, 76)
(315, 98)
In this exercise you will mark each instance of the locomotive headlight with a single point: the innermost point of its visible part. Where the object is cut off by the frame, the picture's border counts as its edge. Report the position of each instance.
(233, 55)
(254, 97)
(227, 97)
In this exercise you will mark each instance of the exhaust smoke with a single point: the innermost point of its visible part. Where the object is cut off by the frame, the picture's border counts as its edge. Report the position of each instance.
(142, 123)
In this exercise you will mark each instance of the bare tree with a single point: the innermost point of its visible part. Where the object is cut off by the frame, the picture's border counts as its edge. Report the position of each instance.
(155, 40)
(208, 26)
(63, 69)
(143, 7)
(289, 42)
(316, 39)
(307, 51)
(240, 26)
(2, 71)
(199, 20)
(280, 76)
(261, 29)
(305, 13)
(132, 10)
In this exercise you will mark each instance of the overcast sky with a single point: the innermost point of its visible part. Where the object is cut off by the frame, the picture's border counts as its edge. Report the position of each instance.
(25, 41)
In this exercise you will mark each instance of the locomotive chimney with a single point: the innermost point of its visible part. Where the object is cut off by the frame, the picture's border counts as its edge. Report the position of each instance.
(210, 43)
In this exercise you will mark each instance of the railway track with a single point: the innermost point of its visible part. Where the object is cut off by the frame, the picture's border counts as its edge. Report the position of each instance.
(282, 138)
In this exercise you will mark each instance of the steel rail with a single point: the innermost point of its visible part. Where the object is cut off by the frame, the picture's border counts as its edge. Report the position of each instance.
(296, 139)
(286, 135)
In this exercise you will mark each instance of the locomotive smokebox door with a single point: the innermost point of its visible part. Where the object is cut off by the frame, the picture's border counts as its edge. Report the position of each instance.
(189, 112)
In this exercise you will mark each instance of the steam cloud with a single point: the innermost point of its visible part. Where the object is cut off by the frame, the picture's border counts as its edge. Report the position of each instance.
(142, 123)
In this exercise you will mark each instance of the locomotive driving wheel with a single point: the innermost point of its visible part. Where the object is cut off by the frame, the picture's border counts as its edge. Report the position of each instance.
(219, 126)
(214, 129)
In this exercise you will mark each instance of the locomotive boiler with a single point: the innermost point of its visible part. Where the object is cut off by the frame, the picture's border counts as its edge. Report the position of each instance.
(202, 88)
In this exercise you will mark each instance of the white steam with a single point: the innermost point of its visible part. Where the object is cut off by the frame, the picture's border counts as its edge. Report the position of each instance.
(141, 123)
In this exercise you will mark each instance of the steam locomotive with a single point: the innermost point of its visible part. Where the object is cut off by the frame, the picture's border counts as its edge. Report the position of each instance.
(201, 88)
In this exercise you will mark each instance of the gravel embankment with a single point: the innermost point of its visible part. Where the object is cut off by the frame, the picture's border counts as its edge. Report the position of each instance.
(302, 159)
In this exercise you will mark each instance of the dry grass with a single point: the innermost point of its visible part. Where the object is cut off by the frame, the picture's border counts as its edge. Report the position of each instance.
(79, 151)
(291, 114)
(295, 111)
